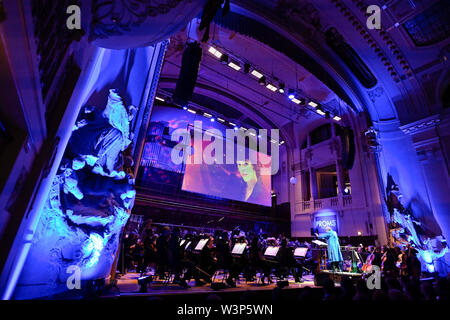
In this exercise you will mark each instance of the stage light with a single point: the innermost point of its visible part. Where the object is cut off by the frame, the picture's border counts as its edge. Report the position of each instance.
(191, 111)
(257, 74)
(232, 124)
(271, 87)
(252, 134)
(236, 128)
(259, 136)
(224, 59)
(320, 111)
(281, 85)
(313, 104)
(295, 100)
(359, 233)
(291, 94)
(220, 120)
(337, 118)
(234, 65)
(215, 52)
(212, 120)
(184, 108)
(281, 142)
(246, 67)
(207, 115)
(160, 99)
(262, 81)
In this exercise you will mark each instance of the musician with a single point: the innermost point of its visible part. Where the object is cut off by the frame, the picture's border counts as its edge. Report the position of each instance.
(334, 249)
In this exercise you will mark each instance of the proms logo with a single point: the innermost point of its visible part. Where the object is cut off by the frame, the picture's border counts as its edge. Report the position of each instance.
(210, 147)
(323, 222)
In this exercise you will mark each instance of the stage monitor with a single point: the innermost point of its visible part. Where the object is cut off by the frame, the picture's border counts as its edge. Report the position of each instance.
(300, 252)
(239, 248)
(201, 244)
(271, 251)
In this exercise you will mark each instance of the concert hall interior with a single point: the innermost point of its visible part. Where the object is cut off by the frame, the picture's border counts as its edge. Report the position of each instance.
(225, 150)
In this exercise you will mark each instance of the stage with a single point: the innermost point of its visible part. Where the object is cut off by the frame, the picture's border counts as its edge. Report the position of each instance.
(128, 287)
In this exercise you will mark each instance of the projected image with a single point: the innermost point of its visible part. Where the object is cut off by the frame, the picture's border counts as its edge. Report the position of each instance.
(241, 181)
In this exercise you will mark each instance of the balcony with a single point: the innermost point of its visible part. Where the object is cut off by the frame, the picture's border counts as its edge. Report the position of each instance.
(336, 203)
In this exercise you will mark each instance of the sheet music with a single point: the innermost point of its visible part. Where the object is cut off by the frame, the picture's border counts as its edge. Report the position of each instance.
(319, 243)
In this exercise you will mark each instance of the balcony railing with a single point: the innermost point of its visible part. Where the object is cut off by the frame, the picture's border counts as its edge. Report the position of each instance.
(332, 203)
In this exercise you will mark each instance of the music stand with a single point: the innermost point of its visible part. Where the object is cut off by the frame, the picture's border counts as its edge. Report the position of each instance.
(271, 251)
(201, 244)
(239, 248)
(300, 252)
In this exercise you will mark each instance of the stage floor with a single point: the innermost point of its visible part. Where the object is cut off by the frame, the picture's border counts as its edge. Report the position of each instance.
(128, 286)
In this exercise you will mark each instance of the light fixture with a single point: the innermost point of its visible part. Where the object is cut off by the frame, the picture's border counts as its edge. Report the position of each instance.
(232, 124)
(313, 104)
(235, 128)
(281, 86)
(281, 142)
(220, 120)
(243, 129)
(215, 52)
(257, 74)
(291, 94)
(212, 120)
(234, 65)
(359, 233)
(207, 115)
(252, 134)
(191, 111)
(160, 99)
(224, 59)
(246, 67)
(271, 87)
(295, 100)
(184, 108)
(320, 111)
(262, 80)
(337, 118)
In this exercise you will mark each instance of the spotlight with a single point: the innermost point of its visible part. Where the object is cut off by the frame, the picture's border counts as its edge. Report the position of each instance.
(337, 118)
(215, 52)
(184, 108)
(212, 120)
(207, 115)
(236, 128)
(257, 74)
(235, 65)
(295, 100)
(320, 111)
(281, 85)
(291, 94)
(191, 111)
(281, 142)
(271, 87)
(224, 59)
(313, 104)
(232, 124)
(262, 81)
(359, 233)
(160, 99)
(246, 67)
(220, 120)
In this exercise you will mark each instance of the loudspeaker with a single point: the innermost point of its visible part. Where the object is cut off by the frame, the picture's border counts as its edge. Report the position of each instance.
(187, 78)
(218, 285)
(319, 279)
(282, 283)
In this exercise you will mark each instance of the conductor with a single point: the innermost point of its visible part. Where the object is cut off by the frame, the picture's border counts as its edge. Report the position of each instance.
(334, 250)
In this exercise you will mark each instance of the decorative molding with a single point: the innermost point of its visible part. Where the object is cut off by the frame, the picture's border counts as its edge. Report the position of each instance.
(421, 125)
(116, 17)
(375, 93)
